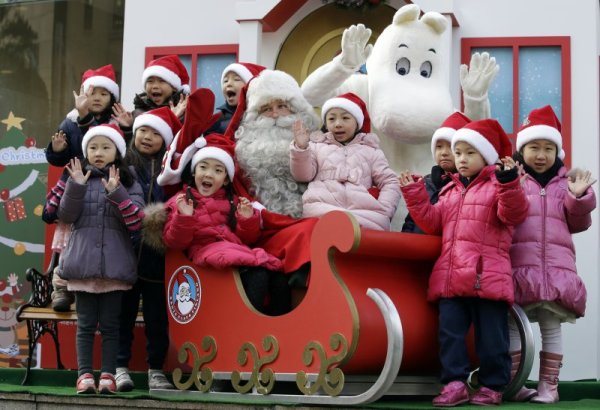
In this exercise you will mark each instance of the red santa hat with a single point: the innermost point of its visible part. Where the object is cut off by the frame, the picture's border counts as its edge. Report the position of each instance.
(171, 69)
(110, 131)
(199, 117)
(101, 77)
(354, 105)
(541, 124)
(487, 137)
(220, 148)
(267, 86)
(162, 120)
(245, 70)
(454, 122)
(182, 279)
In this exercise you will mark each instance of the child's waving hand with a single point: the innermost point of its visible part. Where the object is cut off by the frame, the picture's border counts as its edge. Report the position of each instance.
(244, 208)
(76, 172)
(301, 136)
(580, 182)
(405, 178)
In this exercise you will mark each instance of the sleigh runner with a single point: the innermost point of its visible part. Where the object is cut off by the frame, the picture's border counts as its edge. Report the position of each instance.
(363, 330)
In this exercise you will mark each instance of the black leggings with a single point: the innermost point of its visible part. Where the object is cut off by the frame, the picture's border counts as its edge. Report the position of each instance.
(267, 291)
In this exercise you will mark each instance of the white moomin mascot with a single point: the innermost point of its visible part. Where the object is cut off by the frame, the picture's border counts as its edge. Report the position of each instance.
(405, 89)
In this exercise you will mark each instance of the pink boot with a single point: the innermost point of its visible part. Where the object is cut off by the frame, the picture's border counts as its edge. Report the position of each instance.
(550, 364)
(453, 394)
(486, 397)
(524, 394)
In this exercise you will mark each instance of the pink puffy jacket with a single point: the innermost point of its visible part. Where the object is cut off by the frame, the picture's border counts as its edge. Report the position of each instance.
(542, 253)
(207, 237)
(476, 224)
(340, 176)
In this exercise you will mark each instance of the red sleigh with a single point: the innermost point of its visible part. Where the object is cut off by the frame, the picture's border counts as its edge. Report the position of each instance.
(363, 330)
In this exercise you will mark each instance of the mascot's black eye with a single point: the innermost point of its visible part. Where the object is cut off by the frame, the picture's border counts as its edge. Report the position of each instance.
(403, 66)
(426, 69)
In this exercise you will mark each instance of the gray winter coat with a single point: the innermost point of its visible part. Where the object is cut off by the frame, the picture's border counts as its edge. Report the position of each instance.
(100, 246)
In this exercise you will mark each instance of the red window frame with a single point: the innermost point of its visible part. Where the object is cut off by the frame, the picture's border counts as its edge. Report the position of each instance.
(564, 42)
(195, 52)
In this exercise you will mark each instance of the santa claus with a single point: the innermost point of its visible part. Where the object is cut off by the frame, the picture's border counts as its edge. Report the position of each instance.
(274, 102)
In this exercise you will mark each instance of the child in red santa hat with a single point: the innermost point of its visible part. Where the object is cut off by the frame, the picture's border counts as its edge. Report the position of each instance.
(153, 132)
(342, 164)
(542, 254)
(444, 162)
(233, 78)
(98, 94)
(472, 280)
(166, 83)
(214, 226)
(104, 202)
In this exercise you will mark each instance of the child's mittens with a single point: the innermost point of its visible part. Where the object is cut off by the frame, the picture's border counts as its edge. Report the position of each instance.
(507, 175)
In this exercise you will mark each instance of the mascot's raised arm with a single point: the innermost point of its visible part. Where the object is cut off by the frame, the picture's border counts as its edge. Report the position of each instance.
(405, 89)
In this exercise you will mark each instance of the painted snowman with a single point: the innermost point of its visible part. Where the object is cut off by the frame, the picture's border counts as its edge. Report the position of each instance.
(405, 89)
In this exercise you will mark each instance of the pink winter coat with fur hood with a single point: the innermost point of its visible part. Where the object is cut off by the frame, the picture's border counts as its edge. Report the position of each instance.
(542, 253)
(476, 224)
(340, 175)
(207, 237)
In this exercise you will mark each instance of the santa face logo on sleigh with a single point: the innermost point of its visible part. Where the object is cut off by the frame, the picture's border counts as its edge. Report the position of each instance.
(184, 294)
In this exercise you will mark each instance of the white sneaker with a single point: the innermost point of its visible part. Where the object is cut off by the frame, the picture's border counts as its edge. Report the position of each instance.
(158, 381)
(124, 382)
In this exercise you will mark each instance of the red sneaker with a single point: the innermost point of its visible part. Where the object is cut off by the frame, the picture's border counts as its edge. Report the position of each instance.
(86, 384)
(486, 397)
(107, 384)
(453, 394)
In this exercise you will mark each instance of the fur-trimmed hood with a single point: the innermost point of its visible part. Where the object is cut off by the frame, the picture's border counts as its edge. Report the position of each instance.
(155, 216)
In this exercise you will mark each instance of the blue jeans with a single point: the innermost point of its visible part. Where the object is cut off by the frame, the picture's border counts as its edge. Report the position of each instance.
(490, 320)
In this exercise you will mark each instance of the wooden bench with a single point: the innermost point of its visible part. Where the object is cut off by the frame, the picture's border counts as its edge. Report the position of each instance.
(39, 315)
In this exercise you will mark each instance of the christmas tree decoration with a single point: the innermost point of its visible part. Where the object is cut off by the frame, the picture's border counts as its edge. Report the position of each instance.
(19, 249)
(13, 121)
(21, 192)
(14, 209)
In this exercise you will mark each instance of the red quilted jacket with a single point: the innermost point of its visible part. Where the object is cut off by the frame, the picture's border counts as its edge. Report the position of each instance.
(476, 224)
(207, 238)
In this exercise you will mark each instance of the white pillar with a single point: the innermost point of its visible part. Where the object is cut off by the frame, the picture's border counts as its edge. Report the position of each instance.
(250, 41)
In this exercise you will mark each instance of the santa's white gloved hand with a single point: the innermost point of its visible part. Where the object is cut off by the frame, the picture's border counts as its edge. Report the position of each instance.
(478, 76)
(355, 49)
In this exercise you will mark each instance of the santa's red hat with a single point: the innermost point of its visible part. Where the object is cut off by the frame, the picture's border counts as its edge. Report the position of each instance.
(101, 77)
(199, 117)
(245, 70)
(171, 69)
(487, 137)
(162, 120)
(268, 86)
(110, 131)
(182, 279)
(454, 122)
(354, 105)
(541, 124)
(220, 148)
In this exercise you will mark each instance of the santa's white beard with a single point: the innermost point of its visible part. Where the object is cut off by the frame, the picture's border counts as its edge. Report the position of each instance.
(263, 152)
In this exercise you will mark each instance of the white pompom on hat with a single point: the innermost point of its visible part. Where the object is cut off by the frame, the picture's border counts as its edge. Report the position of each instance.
(486, 136)
(162, 120)
(354, 105)
(110, 131)
(454, 122)
(541, 124)
(101, 77)
(171, 69)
